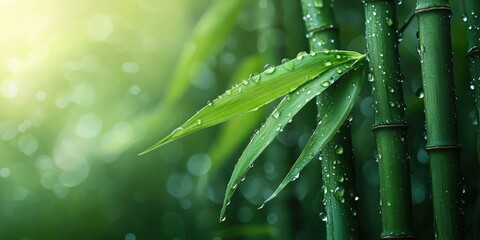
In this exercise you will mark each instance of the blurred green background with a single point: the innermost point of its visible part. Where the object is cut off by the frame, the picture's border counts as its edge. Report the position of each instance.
(87, 85)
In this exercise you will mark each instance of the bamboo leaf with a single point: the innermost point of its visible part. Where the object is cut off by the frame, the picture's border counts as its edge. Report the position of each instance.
(261, 89)
(343, 96)
(208, 35)
(278, 119)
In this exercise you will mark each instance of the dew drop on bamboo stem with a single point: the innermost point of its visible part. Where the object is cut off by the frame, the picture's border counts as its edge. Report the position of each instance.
(228, 92)
(339, 70)
(391, 90)
(389, 21)
(473, 117)
(245, 82)
(325, 84)
(370, 77)
(199, 121)
(328, 63)
(339, 149)
(269, 69)
(340, 179)
(209, 103)
(419, 93)
(389, 204)
(464, 17)
(323, 216)
(318, 3)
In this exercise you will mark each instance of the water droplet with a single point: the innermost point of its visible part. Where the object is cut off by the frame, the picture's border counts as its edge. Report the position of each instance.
(312, 53)
(300, 55)
(269, 69)
(389, 204)
(374, 13)
(391, 90)
(223, 219)
(419, 93)
(318, 3)
(209, 103)
(472, 86)
(370, 77)
(399, 2)
(339, 192)
(228, 92)
(323, 216)
(261, 206)
(464, 17)
(276, 115)
(389, 21)
(325, 84)
(473, 117)
(287, 64)
(338, 56)
(255, 77)
(356, 198)
(339, 70)
(340, 179)
(296, 176)
(328, 63)
(245, 82)
(339, 149)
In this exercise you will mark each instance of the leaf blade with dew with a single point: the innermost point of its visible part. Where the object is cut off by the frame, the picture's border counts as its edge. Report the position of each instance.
(261, 89)
(343, 98)
(278, 119)
(208, 35)
(234, 132)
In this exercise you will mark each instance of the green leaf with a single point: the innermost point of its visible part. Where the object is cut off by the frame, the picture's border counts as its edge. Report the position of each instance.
(343, 96)
(236, 131)
(209, 34)
(280, 117)
(261, 89)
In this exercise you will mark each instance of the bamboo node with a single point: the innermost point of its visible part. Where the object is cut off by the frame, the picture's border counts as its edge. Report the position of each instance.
(473, 51)
(406, 237)
(443, 147)
(434, 8)
(322, 28)
(391, 125)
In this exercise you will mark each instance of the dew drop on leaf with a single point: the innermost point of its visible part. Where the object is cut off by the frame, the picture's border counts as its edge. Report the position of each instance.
(269, 69)
(328, 63)
(287, 64)
(325, 84)
(255, 77)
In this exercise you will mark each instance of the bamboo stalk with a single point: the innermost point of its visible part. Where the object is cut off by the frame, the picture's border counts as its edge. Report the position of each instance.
(472, 16)
(389, 126)
(337, 156)
(435, 51)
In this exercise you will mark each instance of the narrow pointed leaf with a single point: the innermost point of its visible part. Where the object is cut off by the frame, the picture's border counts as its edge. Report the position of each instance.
(343, 97)
(261, 89)
(280, 117)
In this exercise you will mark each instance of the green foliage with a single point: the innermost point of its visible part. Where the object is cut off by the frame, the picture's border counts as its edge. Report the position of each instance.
(260, 89)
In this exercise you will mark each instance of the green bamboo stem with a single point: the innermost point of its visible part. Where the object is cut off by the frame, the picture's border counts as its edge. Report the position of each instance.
(435, 51)
(472, 15)
(337, 156)
(389, 126)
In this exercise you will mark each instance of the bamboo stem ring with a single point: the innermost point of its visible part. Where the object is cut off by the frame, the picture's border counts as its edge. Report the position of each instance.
(436, 8)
